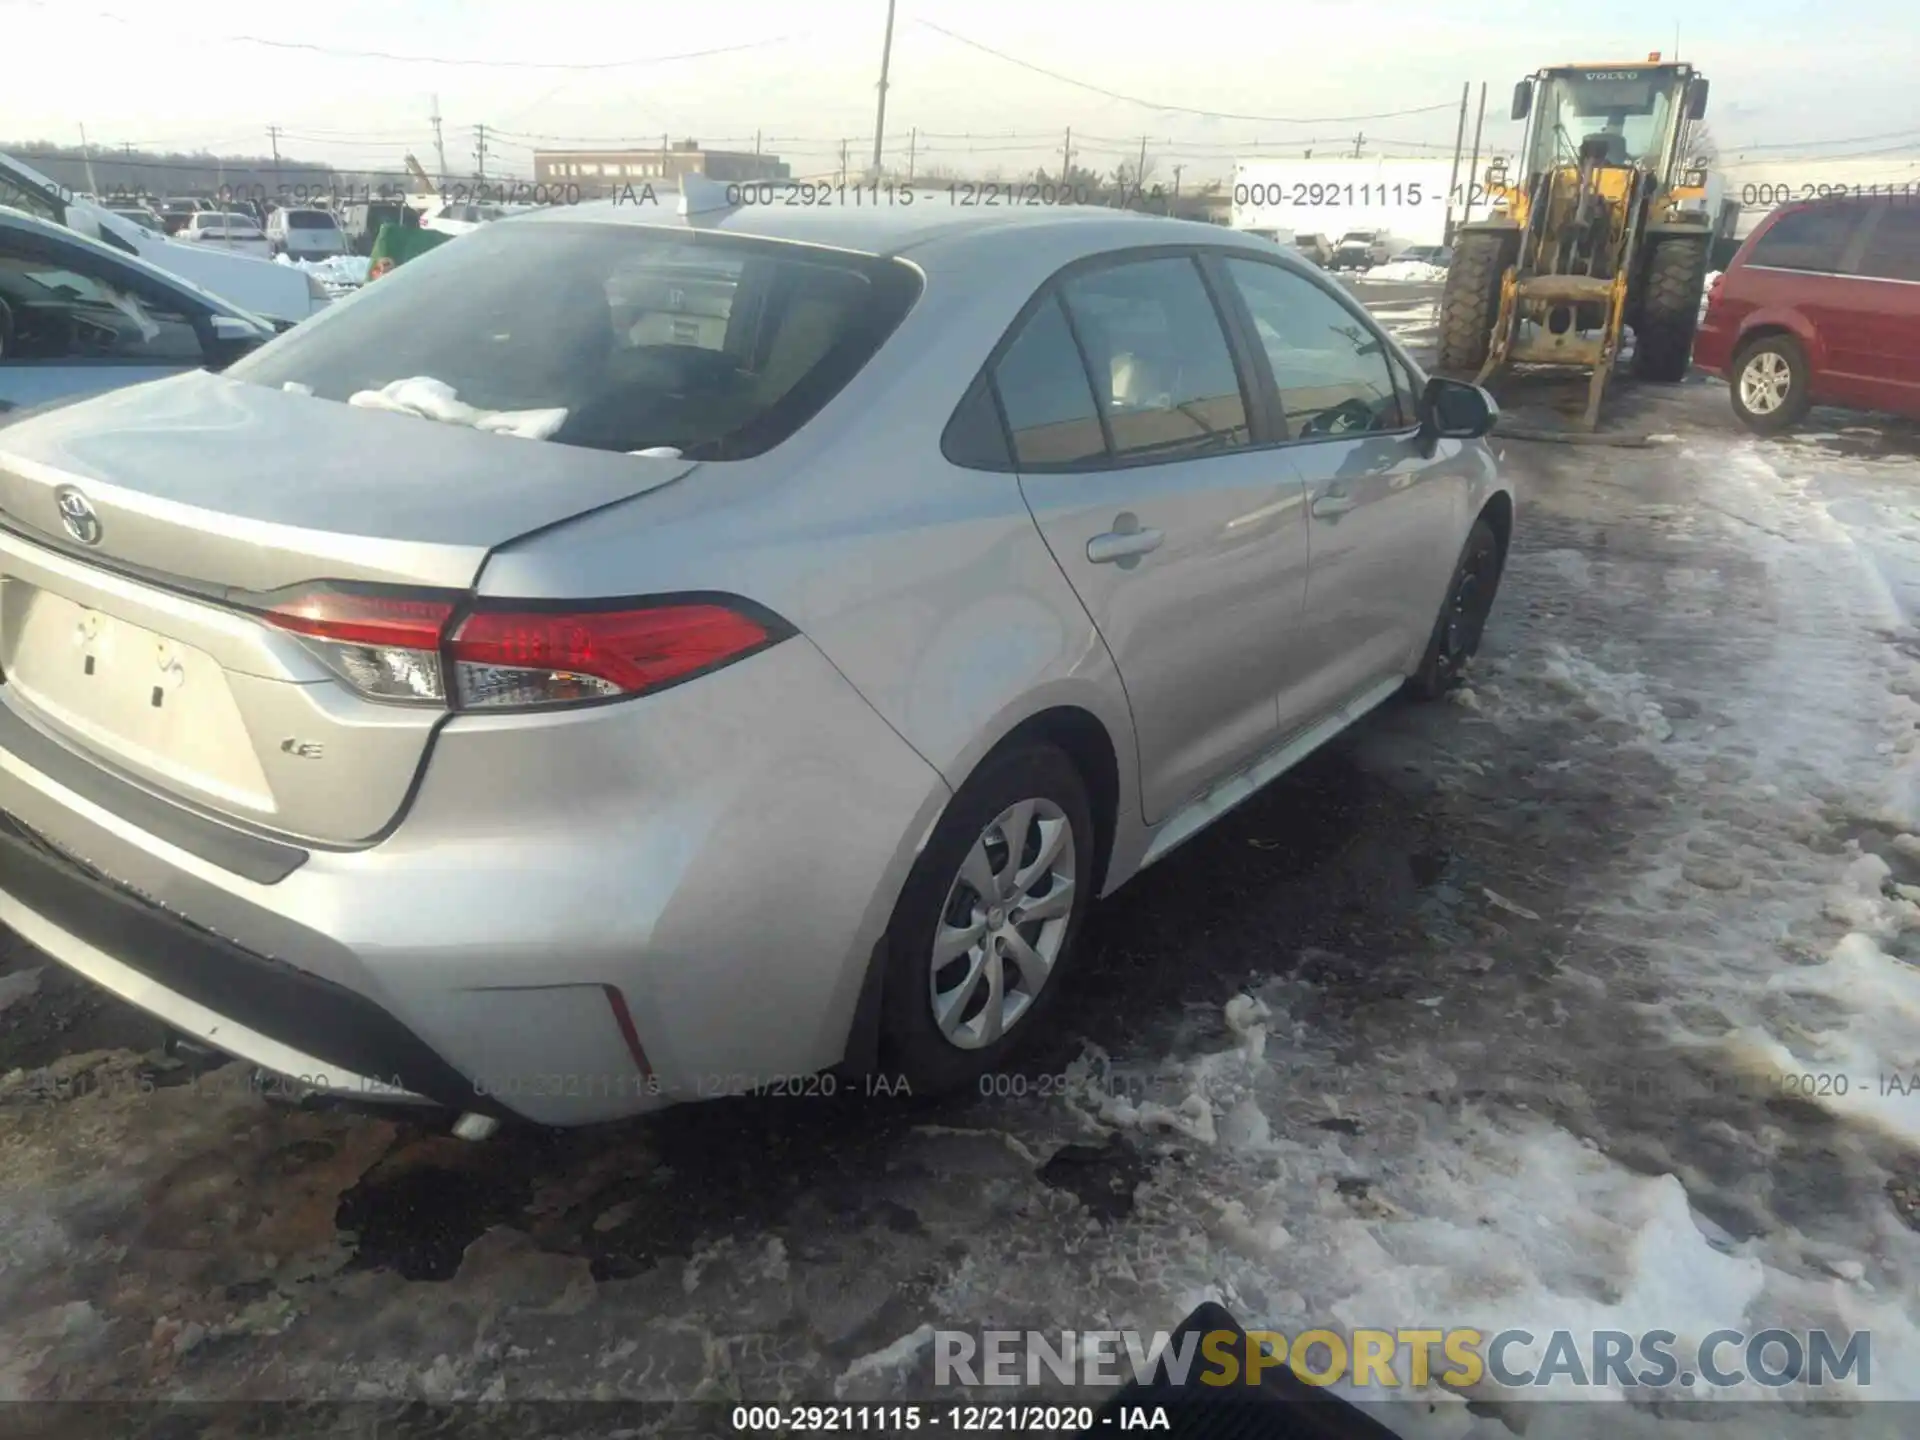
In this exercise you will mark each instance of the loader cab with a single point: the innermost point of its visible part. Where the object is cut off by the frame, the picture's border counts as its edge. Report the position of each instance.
(1636, 114)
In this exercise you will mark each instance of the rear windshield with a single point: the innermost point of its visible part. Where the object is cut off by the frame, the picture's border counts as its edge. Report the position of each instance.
(310, 220)
(716, 346)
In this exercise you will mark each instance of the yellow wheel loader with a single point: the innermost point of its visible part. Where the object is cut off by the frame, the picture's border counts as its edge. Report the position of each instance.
(1602, 224)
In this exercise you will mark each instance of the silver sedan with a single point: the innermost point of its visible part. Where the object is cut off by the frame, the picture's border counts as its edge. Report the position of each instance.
(629, 656)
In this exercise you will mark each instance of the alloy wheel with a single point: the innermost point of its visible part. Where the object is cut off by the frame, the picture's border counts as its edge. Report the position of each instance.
(1004, 923)
(1765, 382)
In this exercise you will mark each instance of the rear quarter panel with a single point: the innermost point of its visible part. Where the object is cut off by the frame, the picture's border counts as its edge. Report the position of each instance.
(928, 586)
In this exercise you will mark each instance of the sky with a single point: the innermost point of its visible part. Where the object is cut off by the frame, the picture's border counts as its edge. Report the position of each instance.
(1277, 79)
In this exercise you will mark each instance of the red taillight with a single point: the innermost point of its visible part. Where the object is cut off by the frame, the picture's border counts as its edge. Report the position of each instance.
(395, 646)
(364, 619)
(519, 657)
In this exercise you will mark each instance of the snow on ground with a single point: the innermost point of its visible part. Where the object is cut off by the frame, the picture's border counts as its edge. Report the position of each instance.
(339, 274)
(1406, 270)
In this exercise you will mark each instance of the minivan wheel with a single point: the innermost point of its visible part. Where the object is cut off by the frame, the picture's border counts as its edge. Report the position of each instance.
(987, 920)
(1463, 617)
(1770, 385)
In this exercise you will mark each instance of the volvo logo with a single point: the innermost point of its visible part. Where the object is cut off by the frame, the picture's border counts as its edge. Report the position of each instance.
(76, 513)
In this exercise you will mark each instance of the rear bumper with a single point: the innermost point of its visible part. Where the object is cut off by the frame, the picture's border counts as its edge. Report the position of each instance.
(321, 1034)
(1712, 347)
(579, 918)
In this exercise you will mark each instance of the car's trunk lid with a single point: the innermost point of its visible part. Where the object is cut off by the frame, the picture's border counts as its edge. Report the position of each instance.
(126, 632)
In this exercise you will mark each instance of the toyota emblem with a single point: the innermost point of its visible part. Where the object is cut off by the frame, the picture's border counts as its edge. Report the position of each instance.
(76, 513)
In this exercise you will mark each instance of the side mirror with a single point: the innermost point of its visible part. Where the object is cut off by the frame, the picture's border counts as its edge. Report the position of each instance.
(1456, 410)
(233, 338)
(1697, 98)
(1523, 100)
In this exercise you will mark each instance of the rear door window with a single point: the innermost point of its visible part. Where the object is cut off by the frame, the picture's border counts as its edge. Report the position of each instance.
(1045, 394)
(1893, 248)
(717, 347)
(1813, 239)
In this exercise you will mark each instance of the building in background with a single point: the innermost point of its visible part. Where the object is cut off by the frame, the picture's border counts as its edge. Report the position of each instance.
(599, 173)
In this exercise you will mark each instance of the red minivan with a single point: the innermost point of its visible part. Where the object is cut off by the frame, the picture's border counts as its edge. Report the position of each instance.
(1821, 306)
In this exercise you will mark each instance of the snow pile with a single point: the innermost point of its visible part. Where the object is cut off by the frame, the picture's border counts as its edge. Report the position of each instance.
(1417, 270)
(1707, 291)
(1852, 1027)
(1600, 695)
(435, 400)
(337, 274)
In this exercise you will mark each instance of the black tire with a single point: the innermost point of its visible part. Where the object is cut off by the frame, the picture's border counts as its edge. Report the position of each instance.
(1470, 301)
(911, 1042)
(1669, 309)
(1463, 614)
(1799, 390)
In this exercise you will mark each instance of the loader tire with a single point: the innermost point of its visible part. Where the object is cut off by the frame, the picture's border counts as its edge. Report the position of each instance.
(1470, 303)
(1669, 309)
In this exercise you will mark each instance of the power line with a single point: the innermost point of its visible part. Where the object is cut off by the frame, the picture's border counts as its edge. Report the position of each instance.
(1175, 109)
(345, 53)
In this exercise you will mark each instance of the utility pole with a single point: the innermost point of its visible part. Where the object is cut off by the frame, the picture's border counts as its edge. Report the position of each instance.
(1459, 148)
(913, 144)
(439, 146)
(1473, 165)
(1140, 170)
(756, 144)
(843, 162)
(273, 139)
(1176, 180)
(1066, 160)
(1358, 141)
(880, 115)
(480, 150)
(87, 150)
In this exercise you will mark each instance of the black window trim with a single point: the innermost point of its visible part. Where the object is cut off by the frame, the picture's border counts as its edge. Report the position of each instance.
(1390, 350)
(1259, 417)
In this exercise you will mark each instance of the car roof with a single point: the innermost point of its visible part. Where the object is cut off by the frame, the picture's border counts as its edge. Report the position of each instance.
(929, 229)
(20, 222)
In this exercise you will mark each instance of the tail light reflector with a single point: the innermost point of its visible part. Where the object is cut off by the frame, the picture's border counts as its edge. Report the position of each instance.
(386, 646)
(399, 647)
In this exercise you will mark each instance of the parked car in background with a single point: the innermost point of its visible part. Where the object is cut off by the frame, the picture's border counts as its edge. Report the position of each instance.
(305, 234)
(1360, 250)
(230, 231)
(1821, 306)
(278, 293)
(1047, 536)
(1439, 255)
(141, 216)
(1316, 248)
(78, 317)
(176, 214)
(458, 219)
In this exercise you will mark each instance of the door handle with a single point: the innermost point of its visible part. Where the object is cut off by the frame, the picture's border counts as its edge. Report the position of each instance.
(1123, 545)
(1333, 505)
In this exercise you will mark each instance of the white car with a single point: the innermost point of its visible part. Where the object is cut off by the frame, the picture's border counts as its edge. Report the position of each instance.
(230, 231)
(1361, 250)
(281, 294)
(458, 217)
(306, 234)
